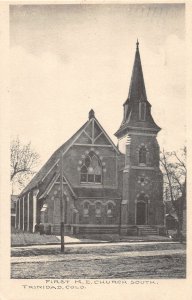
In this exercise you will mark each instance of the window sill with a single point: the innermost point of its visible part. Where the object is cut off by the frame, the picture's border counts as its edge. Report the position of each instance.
(90, 183)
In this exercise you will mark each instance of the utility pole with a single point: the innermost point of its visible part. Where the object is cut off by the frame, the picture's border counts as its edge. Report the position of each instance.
(62, 204)
(165, 211)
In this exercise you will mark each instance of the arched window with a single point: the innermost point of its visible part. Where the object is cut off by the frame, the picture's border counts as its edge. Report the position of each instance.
(91, 170)
(110, 210)
(143, 155)
(84, 172)
(142, 111)
(98, 209)
(86, 209)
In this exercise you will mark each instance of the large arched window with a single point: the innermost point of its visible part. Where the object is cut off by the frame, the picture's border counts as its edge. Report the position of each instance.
(91, 170)
(142, 155)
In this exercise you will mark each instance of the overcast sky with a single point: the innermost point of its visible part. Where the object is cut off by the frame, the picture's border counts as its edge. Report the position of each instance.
(67, 59)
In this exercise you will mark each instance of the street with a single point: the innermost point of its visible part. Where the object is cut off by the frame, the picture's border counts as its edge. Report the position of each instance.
(113, 260)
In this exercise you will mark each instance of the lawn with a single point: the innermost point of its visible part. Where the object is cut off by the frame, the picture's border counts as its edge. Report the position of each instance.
(26, 238)
(20, 238)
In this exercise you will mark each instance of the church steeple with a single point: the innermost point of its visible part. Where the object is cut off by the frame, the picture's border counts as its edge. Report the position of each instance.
(137, 86)
(137, 109)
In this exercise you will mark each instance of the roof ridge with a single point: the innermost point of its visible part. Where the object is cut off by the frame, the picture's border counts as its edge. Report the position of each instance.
(38, 176)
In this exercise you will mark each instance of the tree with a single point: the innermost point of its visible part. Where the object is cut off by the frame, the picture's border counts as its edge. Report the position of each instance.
(174, 171)
(24, 161)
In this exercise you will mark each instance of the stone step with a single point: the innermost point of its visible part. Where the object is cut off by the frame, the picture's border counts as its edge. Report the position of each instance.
(147, 230)
(57, 229)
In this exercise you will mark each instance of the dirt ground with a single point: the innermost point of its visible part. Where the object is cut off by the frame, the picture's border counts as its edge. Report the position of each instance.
(101, 262)
(122, 267)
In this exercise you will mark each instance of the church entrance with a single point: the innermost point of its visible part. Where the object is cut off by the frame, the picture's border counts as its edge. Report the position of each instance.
(141, 213)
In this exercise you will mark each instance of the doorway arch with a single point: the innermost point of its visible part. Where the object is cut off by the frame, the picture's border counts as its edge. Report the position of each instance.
(142, 210)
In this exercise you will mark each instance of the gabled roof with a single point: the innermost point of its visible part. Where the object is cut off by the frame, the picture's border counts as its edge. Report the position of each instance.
(94, 134)
(107, 137)
(53, 181)
(51, 162)
(54, 159)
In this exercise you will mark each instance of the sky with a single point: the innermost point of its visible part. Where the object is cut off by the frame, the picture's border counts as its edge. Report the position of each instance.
(68, 59)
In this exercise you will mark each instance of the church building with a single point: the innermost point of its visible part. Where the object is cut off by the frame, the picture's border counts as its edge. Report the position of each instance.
(94, 186)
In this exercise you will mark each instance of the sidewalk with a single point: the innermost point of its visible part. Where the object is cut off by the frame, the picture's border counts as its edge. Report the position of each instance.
(130, 239)
(93, 243)
(75, 240)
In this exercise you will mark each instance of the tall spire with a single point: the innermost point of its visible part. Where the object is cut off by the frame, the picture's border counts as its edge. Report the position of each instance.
(137, 109)
(137, 44)
(137, 86)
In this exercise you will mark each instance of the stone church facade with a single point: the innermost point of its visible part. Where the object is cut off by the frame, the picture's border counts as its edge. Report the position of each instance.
(95, 186)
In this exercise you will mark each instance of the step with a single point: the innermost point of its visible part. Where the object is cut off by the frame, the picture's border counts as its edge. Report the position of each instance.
(147, 230)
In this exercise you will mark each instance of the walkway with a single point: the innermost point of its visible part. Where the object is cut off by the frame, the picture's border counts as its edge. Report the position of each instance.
(92, 243)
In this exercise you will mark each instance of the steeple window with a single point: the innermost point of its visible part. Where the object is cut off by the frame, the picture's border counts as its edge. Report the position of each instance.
(142, 111)
(142, 155)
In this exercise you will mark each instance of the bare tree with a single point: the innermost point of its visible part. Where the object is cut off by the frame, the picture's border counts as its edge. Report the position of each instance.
(24, 161)
(174, 170)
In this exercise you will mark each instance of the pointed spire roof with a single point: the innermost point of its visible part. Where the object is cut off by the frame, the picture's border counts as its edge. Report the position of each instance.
(137, 90)
(133, 109)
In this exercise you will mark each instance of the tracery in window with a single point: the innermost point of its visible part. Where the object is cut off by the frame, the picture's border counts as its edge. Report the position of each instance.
(91, 170)
(142, 155)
